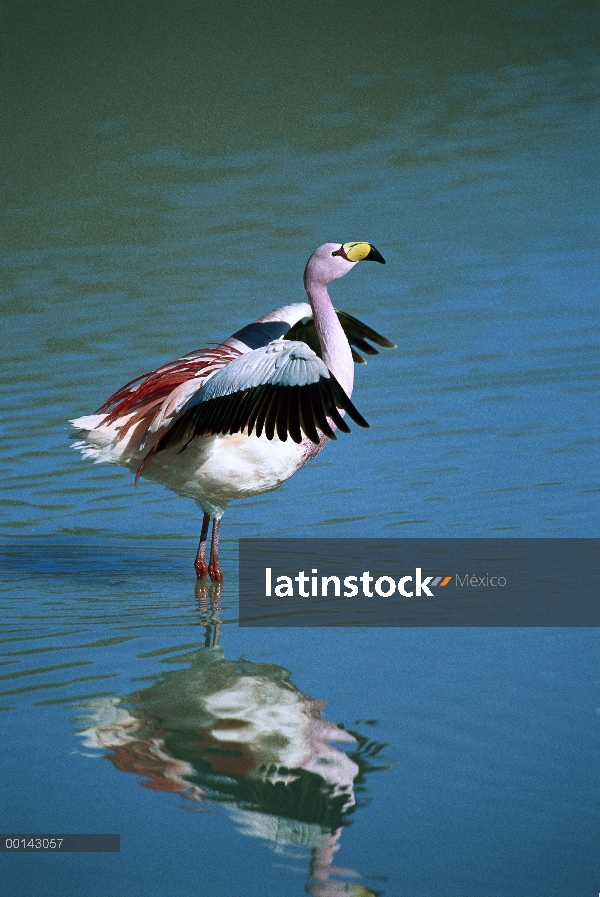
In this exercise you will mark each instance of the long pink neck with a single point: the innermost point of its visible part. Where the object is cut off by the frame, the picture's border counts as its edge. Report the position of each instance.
(334, 345)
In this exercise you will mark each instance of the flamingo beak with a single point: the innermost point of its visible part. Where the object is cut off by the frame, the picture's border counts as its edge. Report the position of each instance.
(358, 252)
(375, 256)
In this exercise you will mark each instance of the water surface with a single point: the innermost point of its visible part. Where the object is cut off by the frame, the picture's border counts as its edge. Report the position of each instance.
(166, 174)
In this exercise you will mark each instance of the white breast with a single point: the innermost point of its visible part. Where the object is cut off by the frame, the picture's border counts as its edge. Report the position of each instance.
(215, 470)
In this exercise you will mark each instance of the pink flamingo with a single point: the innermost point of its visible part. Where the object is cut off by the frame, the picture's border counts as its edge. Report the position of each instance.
(214, 425)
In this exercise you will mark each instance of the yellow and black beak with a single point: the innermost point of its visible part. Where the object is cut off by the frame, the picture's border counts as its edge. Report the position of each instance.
(358, 252)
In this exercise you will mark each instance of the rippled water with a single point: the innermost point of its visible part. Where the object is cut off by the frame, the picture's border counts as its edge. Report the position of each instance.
(164, 181)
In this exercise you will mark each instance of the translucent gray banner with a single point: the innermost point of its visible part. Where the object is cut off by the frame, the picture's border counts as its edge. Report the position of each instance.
(60, 843)
(419, 582)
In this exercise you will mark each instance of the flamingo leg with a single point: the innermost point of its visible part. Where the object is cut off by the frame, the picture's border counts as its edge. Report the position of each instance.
(214, 571)
(200, 562)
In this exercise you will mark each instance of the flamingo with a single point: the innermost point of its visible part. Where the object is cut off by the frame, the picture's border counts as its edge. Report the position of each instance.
(240, 418)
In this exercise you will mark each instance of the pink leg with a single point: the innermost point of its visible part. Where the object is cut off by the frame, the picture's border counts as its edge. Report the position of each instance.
(214, 571)
(200, 562)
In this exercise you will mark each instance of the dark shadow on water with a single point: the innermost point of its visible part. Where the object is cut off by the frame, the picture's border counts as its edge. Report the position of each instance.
(56, 558)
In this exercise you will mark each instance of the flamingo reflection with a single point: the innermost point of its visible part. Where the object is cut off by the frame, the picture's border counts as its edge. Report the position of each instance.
(243, 735)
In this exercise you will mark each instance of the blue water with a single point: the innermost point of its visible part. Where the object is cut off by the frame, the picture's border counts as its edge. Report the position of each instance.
(487, 780)
(164, 180)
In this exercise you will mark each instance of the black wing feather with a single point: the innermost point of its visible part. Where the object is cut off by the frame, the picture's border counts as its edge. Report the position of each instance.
(364, 346)
(273, 412)
(293, 417)
(231, 413)
(260, 397)
(319, 415)
(343, 401)
(264, 408)
(281, 422)
(356, 332)
(307, 420)
(330, 409)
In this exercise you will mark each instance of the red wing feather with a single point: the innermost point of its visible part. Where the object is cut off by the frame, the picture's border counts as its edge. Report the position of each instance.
(150, 390)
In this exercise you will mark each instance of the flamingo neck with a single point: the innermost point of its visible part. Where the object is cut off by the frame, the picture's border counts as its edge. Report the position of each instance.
(334, 345)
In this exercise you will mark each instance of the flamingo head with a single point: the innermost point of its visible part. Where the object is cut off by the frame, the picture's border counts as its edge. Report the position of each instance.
(332, 260)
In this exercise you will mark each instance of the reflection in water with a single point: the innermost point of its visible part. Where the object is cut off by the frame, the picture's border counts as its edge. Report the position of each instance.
(241, 734)
(209, 618)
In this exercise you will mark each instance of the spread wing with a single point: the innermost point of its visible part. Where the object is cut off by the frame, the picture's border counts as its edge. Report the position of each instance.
(159, 394)
(283, 388)
(356, 332)
(286, 390)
